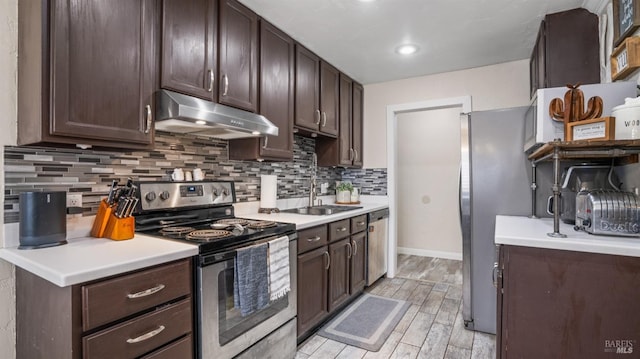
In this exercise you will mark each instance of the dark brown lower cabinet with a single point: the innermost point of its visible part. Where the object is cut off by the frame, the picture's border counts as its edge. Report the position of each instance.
(340, 254)
(332, 267)
(358, 278)
(567, 304)
(312, 288)
(105, 318)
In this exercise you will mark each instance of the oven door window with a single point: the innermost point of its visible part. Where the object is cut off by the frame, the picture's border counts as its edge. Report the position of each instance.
(231, 323)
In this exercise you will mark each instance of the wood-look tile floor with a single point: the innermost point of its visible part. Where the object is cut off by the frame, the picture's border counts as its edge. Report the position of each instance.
(431, 328)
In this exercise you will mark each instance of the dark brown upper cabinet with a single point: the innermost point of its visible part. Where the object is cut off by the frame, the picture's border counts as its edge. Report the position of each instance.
(566, 50)
(329, 98)
(357, 118)
(189, 38)
(276, 99)
(87, 72)
(346, 150)
(317, 94)
(238, 56)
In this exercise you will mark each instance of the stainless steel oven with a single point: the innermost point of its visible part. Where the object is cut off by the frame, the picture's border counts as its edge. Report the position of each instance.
(223, 331)
(202, 213)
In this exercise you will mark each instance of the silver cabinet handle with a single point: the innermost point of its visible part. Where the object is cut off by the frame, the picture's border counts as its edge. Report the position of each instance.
(355, 248)
(316, 114)
(266, 142)
(146, 292)
(313, 239)
(211, 80)
(226, 85)
(328, 260)
(149, 118)
(341, 229)
(324, 119)
(355, 158)
(349, 249)
(146, 336)
(361, 223)
(351, 154)
(494, 274)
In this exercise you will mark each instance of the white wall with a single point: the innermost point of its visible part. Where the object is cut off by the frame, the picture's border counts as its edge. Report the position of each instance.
(427, 176)
(491, 87)
(8, 104)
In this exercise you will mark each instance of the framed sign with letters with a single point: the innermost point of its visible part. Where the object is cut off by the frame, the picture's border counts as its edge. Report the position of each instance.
(626, 19)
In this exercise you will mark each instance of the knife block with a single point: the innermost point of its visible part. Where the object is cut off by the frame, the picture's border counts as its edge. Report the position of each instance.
(106, 224)
(120, 229)
(100, 222)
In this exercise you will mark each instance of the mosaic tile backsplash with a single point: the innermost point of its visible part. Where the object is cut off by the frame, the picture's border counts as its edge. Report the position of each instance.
(32, 168)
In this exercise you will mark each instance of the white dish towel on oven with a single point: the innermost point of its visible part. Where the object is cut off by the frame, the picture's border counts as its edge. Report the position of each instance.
(279, 283)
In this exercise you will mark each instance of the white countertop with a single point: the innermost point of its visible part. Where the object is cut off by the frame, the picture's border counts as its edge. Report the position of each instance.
(532, 232)
(302, 221)
(85, 259)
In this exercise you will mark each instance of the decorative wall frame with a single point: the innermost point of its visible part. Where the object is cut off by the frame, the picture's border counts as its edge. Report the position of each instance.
(626, 19)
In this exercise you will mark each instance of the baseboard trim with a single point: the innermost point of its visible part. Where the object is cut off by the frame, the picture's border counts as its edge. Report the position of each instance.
(429, 253)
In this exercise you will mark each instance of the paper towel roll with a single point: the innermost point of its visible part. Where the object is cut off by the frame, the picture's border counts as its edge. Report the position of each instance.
(268, 191)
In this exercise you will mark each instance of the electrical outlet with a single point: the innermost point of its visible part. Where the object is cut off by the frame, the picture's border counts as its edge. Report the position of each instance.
(74, 200)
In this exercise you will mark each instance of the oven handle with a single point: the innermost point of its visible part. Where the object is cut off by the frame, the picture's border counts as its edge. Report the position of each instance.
(213, 258)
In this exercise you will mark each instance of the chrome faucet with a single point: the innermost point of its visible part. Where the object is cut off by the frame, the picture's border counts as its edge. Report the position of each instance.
(313, 185)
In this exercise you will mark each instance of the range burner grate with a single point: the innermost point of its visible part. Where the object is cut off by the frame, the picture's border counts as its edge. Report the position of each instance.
(232, 221)
(176, 231)
(261, 224)
(208, 234)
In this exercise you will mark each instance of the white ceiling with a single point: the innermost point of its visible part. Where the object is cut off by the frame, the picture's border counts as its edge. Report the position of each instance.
(360, 38)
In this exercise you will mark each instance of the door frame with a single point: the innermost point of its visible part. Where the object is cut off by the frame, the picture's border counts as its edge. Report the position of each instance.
(392, 157)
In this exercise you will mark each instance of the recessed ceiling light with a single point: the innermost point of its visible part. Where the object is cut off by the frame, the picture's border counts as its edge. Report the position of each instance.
(407, 49)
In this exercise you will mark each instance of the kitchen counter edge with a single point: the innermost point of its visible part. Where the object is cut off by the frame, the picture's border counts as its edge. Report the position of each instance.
(87, 259)
(303, 221)
(532, 232)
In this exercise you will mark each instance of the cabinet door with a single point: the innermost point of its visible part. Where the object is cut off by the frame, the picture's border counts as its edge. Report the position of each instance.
(238, 56)
(344, 137)
(276, 89)
(340, 254)
(358, 262)
(188, 47)
(104, 69)
(329, 98)
(547, 292)
(356, 124)
(307, 84)
(312, 288)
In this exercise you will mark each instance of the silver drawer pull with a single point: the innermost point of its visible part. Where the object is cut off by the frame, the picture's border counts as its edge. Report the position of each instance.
(313, 239)
(341, 229)
(144, 337)
(147, 292)
(360, 223)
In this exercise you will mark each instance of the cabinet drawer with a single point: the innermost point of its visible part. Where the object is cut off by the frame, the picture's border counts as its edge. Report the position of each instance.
(182, 348)
(358, 224)
(119, 297)
(339, 230)
(140, 335)
(311, 238)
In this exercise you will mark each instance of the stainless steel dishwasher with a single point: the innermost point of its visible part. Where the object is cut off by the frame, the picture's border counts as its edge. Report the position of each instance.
(378, 240)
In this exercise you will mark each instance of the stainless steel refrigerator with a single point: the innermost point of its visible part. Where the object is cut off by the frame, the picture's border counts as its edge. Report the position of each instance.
(493, 180)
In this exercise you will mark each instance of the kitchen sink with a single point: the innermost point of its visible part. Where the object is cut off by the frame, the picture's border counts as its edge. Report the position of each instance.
(323, 210)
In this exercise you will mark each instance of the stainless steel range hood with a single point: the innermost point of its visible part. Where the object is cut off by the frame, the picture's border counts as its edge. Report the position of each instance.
(179, 113)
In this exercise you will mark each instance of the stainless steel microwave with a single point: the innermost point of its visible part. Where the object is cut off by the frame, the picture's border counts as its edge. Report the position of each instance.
(540, 128)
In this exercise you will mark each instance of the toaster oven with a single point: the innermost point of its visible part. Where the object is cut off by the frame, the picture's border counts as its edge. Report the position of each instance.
(608, 212)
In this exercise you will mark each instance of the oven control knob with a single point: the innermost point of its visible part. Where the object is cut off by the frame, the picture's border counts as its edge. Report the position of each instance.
(164, 195)
(150, 196)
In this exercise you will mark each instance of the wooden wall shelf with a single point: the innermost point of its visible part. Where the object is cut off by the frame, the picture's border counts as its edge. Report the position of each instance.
(588, 149)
